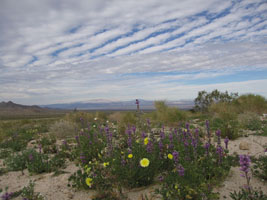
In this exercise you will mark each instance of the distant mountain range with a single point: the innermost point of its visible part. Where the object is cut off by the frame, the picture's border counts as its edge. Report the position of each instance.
(101, 104)
(11, 110)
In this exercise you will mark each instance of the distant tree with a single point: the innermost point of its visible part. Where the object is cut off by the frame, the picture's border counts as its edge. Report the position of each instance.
(205, 99)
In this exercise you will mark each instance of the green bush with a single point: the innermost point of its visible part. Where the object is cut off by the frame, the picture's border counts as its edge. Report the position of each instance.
(251, 103)
(250, 121)
(34, 161)
(225, 119)
(63, 129)
(167, 115)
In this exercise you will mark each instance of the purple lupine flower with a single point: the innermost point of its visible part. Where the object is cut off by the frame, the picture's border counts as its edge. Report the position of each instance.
(180, 170)
(175, 156)
(134, 129)
(123, 162)
(170, 146)
(176, 132)
(219, 151)
(129, 132)
(218, 133)
(83, 158)
(244, 162)
(148, 122)
(226, 140)
(149, 146)
(129, 142)
(162, 135)
(207, 146)
(187, 127)
(7, 196)
(143, 135)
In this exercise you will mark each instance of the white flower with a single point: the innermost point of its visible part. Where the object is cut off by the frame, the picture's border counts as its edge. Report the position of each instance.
(265, 153)
(94, 125)
(107, 121)
(95, 118)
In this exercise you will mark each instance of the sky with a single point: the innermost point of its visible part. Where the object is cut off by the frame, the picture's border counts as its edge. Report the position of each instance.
(66, 51)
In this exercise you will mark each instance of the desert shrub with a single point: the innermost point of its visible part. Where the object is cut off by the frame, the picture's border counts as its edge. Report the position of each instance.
(251, 103)
(18, 161)
(225, 119)
(127, 119)
(34, 161)
(76, 117)
(63, 129)
(167, 115)
(205, 99)
(250, 121)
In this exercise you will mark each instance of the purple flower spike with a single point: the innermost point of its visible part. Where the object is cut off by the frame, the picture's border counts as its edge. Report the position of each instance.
(244, 162)
(134, 129)
(207, 146)
(218, 133)
(226, 140)
(180, 170)
(187, 126)
(175, 156)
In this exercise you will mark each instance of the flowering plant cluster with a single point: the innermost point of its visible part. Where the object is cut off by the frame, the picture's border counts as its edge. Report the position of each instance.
(186, 166)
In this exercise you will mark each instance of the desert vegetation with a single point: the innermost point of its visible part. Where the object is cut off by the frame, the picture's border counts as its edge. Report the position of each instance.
(174, 154)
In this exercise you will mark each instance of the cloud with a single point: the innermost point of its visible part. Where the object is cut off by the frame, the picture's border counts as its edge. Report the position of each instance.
(96, 49)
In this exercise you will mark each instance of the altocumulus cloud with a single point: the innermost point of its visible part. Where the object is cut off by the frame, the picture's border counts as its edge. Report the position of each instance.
(61, 51)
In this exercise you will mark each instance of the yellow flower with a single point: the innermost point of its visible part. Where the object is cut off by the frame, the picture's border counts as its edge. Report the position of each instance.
(170, 156)
(144, 162)
(89, 181)
(176, 186)
(105, 164)
(188, 197)
(130, 155)
(137, 141)
(122, 152)
(146, 141)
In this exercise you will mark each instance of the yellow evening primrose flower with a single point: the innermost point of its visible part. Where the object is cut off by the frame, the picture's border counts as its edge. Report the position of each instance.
(105, 164)
(130, 155)
(146, 141)
(144, 162)
(170, 156)
(89, 181)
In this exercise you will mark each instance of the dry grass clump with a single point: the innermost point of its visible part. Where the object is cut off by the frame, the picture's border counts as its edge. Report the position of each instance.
(63, 129)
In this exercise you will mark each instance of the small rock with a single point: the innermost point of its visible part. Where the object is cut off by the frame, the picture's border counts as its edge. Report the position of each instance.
(244, 146)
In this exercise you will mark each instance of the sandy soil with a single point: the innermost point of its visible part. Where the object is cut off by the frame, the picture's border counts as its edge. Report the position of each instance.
(55, 187)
